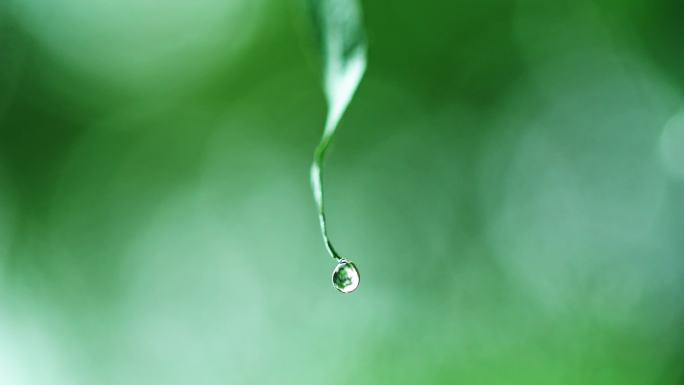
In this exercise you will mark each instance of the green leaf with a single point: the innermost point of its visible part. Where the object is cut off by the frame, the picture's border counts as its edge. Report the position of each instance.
(343, 45)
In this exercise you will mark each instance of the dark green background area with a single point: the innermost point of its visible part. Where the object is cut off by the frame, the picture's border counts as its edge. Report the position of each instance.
(508, 179)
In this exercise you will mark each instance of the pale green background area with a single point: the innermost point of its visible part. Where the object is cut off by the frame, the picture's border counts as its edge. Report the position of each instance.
(509, 180)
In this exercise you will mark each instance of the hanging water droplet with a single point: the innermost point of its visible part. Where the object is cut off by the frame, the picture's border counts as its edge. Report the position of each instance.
(346, 277)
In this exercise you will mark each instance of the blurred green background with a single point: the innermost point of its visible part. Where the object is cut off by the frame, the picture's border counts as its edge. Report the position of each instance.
(509, 180)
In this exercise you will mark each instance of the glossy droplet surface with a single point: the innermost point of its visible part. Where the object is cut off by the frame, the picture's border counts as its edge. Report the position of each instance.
(346, 276)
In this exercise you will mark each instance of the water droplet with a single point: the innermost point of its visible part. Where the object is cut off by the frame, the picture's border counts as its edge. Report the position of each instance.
(346, 277)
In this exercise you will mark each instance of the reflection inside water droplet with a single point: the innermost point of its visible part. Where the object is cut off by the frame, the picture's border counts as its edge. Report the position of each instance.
(345, 277)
